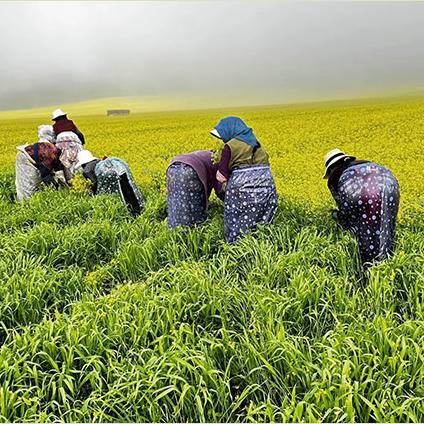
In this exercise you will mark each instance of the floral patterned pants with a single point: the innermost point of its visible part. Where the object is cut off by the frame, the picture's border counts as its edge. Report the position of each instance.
(250, 199)
(368, 206)
(186, 196)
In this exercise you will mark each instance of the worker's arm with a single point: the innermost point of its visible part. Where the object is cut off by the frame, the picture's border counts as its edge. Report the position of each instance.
(80, 135)
(223, 173)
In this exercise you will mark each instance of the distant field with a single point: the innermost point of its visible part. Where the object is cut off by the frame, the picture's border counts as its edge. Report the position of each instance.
(108, 319)
(295, 136)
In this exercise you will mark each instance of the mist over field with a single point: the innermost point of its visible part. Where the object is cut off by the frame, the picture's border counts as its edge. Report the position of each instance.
(285, 302)
(251, 52)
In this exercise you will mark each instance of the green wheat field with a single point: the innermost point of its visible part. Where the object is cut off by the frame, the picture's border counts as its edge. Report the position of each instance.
(109, 319)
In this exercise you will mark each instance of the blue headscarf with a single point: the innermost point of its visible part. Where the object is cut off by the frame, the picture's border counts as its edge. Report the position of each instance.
(233, 127)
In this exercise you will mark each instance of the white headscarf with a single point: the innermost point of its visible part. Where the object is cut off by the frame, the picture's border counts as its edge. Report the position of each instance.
(46, 133)
(68, 136)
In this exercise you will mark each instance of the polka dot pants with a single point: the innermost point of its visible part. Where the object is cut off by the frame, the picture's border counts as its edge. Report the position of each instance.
(368, 201)
(186, 196)
(114, 176)
(250, 199)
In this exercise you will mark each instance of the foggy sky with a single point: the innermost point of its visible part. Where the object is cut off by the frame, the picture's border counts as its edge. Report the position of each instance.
(57, 52)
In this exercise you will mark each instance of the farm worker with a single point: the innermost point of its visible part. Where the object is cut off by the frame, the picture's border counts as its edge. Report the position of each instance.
(37, 163)
(69, 140)
(63, 126)
(250, 194)
(367, 196)
(111, 175)
(190, 180)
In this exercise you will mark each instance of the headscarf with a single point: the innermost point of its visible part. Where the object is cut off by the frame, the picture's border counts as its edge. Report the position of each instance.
(46, 133)
(233, 127)
(68, 136)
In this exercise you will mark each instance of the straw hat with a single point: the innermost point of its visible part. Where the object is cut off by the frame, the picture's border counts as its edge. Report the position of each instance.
(84, 156)
(334, 156)
(58, 113)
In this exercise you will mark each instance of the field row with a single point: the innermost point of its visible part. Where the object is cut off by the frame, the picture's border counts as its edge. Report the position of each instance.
(105, 318)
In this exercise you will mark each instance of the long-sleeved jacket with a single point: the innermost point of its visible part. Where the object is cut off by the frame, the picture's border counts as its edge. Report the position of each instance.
(238, 153)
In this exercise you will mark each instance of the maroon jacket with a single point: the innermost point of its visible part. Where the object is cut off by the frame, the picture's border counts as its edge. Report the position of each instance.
(64, 124)
(224, 163)
(201, 162)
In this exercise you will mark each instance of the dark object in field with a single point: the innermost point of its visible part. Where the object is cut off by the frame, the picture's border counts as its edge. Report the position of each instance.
(118, 112)
(132, 201)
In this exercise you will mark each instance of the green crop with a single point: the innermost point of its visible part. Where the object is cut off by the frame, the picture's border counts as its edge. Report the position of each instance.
(105, 318)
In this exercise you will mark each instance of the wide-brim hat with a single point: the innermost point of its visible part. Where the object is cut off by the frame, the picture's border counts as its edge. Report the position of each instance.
(57, 114)
(84, 156)
(334, 156)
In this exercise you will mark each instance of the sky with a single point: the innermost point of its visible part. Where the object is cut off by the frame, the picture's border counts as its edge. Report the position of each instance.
(275, 51)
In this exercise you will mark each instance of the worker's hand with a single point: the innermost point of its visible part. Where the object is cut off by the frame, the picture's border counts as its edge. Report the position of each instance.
(59, 179)
(220, 177)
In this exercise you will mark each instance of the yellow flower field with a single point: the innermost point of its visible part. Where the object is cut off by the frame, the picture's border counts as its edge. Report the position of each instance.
(296, 137)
